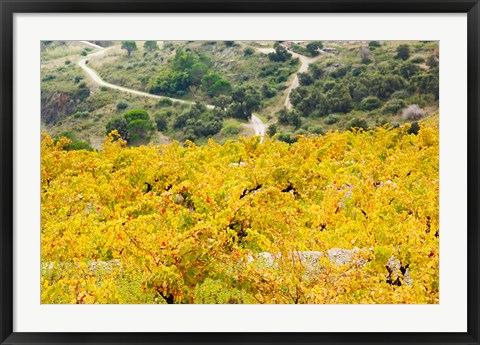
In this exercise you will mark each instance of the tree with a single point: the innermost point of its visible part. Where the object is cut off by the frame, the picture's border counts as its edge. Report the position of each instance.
(74, 143)
(313, 48)
(272, 129)
(248, 51)
(129, 46)
(119, 124)
(305, 79)
(414, 128)
(139, 131)
(170, 82)
(374, 44)
(150, 46)
(357, 124)
(211, 125)
(289, 117)
(184, 60)
(136, 114)
(268, 91)
(190, 117)
(245, 100)
(403, 52)
(408, 70)
(122, 104)
(315, 71)
(82, 92)
(281, 53)
(197, 72)
(221, 86)
(426, 83)
(161, 121)
(222, 101)
(370, 103)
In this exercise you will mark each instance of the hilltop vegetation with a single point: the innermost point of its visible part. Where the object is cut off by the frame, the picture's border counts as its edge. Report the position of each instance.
(347, 84)
(188, 224)
(365, 85)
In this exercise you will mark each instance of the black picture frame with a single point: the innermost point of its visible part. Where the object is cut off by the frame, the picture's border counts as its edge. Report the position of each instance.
(9, 7)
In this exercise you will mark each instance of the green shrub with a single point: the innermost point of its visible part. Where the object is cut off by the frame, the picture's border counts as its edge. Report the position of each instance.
(80, 145)
(417, 59)
(48, 77)
(272, 129)
(356, 123)
(289, 117)
(340, 72)
(317, 130)
(300, 131)
(231, 130)
(68, 135)
(150, 45)
(139, 131)
(370, 103)
(81, 115)
(136, 114)
(287, 138)
(280, 54)
(161, 121)
(393, 107)
(164, 102)
(121, 105)
(119, 124)
(268, 91)
(414, 128)
(331, 119)
(401, 94)
(403, 52)
(248, 51)
(77, 79)
(75, 144)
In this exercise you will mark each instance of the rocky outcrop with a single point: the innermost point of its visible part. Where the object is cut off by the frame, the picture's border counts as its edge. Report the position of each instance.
(397, 274)
(337, 256)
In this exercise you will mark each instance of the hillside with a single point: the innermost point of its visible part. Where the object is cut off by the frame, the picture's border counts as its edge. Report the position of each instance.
(294, 87)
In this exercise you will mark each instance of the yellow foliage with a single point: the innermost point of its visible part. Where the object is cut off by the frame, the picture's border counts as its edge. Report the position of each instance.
(156, 222)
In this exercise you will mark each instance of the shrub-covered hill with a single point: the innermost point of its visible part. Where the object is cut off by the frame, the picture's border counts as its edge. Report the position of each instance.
(231, 223)
(364, 84)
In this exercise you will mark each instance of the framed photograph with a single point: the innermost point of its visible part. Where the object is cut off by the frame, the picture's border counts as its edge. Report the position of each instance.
(239, 172)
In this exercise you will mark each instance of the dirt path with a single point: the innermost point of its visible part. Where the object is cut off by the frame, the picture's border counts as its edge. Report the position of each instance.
(304, 63)
(97, 79)
(258, 126)
(256, 123)
(92, 44)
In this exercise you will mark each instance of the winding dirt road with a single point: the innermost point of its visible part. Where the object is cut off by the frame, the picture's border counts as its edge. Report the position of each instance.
(256, 123)
(304, 63)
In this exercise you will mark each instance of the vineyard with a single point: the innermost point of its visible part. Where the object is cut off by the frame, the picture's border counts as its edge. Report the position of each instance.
(346, 218)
